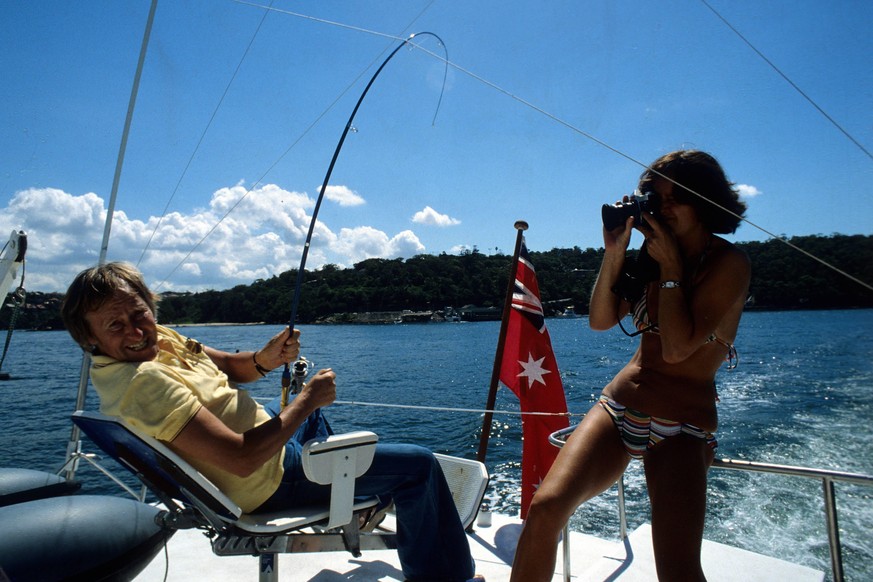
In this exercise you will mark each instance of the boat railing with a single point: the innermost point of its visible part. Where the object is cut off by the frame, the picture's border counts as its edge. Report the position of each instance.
(827, 477)
(94, 460)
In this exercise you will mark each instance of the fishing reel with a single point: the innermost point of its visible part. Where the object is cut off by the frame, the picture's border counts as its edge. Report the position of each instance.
(300, 369)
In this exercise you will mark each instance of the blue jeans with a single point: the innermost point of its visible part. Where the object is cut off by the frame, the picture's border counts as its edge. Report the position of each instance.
(431, 542)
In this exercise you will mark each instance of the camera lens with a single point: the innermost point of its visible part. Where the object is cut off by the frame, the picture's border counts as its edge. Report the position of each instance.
(615, 215)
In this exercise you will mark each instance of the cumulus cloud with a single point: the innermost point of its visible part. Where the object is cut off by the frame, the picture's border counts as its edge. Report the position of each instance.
(242, 235)
(431, 217)
(747, 191)
(343, 195)
(365, 242)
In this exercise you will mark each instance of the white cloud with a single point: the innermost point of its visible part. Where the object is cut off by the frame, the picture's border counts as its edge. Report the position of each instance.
(365, 242)
(343, 195)
(431, 217)
(263, 236)
(747, 191)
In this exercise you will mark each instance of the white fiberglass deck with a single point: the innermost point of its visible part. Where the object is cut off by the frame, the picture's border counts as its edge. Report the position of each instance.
(593, 559)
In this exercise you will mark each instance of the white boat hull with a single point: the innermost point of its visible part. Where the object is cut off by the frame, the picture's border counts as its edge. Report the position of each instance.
(493, 547)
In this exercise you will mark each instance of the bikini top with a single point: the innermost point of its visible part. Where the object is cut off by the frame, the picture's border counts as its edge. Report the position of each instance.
(640, 316)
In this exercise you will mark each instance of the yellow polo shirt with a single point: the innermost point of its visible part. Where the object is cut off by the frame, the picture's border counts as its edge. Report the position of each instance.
(159, 397)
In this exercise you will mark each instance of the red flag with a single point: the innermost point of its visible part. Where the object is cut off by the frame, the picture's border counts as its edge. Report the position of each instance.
(530, 370)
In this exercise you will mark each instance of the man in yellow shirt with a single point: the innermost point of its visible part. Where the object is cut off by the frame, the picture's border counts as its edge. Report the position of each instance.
(184, 394)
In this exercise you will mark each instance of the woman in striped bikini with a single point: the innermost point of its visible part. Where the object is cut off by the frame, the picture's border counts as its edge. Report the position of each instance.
(661, 407)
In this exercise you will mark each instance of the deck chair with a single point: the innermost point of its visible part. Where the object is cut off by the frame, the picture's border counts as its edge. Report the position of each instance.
(192, 501)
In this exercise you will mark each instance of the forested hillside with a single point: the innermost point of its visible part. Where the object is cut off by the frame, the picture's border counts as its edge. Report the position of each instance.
(782, 278)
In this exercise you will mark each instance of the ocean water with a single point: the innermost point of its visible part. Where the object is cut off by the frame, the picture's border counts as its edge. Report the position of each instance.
(802, 395)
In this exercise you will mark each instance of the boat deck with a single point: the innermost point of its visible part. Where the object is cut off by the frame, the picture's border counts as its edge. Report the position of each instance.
(592, 559)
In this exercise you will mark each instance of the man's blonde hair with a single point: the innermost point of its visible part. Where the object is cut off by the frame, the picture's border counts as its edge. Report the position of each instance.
(95, 286)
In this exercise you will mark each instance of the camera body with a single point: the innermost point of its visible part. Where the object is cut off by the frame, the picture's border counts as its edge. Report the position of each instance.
(635, 275)
(640, 203)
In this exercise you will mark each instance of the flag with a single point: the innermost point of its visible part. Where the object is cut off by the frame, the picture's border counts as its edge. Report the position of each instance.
(530, 370)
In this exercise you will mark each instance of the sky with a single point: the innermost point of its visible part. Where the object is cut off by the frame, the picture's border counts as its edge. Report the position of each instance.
(545, 112)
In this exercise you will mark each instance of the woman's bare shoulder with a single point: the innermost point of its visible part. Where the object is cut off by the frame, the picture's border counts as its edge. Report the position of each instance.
(726, 255)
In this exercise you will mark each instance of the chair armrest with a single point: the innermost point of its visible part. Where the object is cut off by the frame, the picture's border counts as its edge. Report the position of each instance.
(337, 461)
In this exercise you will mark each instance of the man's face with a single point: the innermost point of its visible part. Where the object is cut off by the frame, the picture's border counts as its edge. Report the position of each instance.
(124, 328)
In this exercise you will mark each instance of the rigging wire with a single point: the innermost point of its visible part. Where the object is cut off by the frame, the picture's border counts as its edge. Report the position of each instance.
(305, 132)
(594, 138)
(203, 135)
(553, 118)
(789, 81)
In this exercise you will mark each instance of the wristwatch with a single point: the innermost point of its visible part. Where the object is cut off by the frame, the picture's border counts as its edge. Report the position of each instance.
(670, 284)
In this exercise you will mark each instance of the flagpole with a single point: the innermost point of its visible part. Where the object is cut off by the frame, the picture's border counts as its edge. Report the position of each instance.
(520, 226)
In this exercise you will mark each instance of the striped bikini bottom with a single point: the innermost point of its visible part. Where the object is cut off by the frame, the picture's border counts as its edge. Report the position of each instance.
(640, 432)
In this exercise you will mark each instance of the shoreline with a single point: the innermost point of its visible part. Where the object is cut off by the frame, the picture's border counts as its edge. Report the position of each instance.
(214, 324)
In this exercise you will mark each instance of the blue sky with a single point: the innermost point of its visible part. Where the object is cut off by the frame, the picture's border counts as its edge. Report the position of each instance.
(529, 84)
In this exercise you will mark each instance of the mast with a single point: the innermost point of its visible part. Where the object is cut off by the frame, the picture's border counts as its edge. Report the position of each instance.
(74, 445)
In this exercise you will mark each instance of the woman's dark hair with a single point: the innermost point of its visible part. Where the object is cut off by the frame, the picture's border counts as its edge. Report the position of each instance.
(92, 288)
(700, 181)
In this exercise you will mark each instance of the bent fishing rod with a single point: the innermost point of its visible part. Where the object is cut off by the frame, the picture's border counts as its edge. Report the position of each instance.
(286, 373)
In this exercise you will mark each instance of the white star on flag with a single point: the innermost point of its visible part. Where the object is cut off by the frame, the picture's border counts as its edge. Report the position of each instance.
(533, 370)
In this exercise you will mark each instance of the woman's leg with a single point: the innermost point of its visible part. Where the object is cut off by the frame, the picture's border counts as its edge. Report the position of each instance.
(590, 462)
(676, 479)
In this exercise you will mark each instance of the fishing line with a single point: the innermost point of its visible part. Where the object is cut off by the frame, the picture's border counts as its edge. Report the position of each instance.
(286, 374)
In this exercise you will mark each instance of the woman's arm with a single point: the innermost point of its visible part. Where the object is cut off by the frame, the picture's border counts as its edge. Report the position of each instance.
(688, 317)
(690, 313)
(206, 438)
(241, 367)
(606, 308)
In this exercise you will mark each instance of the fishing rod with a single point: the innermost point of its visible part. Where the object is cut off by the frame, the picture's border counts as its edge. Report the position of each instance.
(286, 373)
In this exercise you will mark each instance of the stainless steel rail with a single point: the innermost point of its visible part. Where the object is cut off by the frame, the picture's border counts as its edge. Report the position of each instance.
(827, 477)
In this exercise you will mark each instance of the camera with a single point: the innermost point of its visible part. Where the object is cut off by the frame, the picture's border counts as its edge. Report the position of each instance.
(637, 272)
(614, 215)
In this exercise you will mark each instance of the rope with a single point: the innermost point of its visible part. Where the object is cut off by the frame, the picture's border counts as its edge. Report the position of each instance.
(443, 408)
(450, 409)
